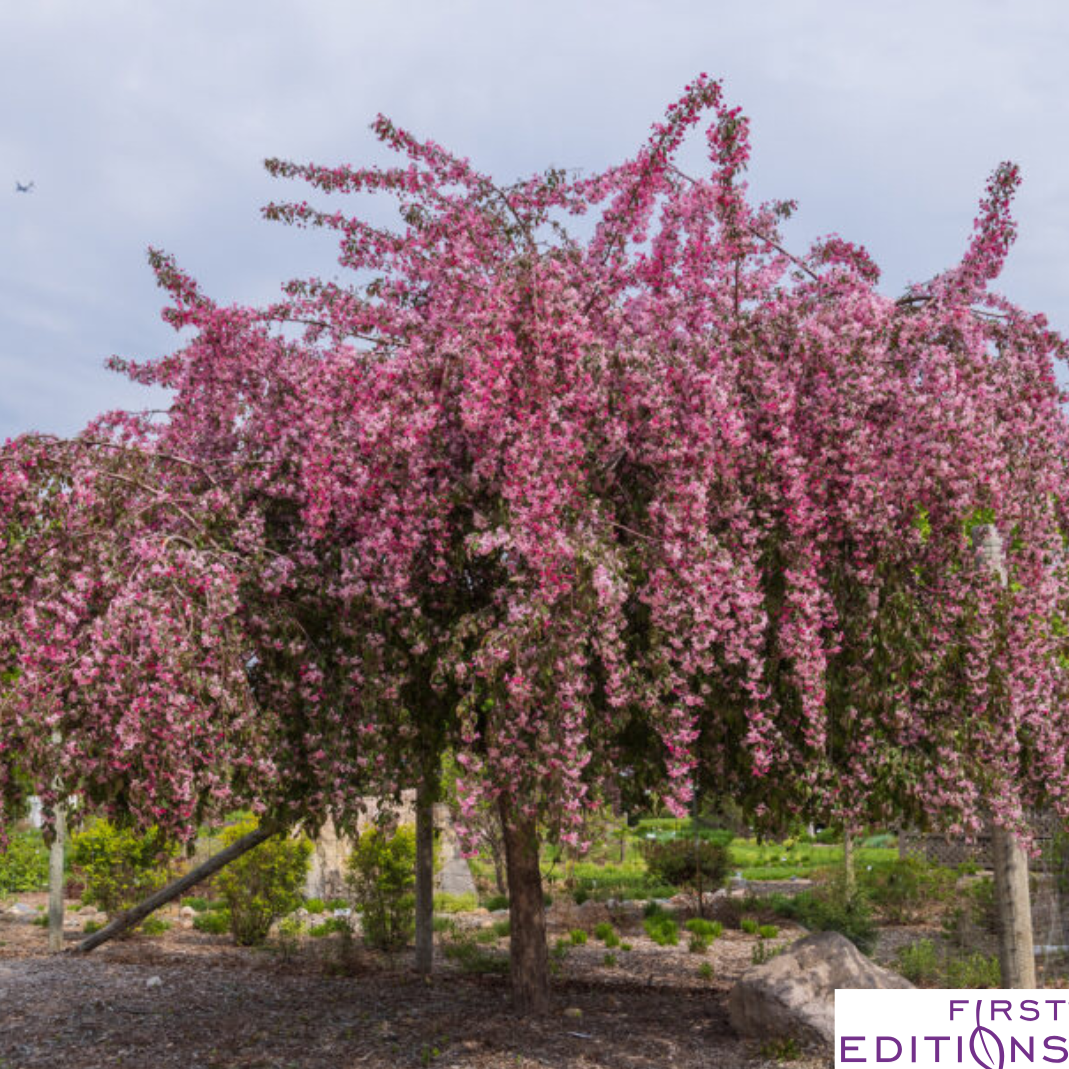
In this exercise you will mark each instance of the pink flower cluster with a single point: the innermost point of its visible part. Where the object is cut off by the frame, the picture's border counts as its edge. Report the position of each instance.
(665, 504)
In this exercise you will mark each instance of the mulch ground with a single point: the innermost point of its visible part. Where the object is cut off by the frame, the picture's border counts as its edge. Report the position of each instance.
(190, 1000)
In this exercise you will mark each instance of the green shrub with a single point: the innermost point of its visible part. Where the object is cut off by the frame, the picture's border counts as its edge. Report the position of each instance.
(91, 927)
(919, 963)
(831, 908)
(707, 929)
(686, 863)
(315, 905)
(901, 889)
(625, 947)
(603, 930)
(577, 936)
(698, 944)
(767, 931)
(328, 927)
(472, 958)
(609, 960)
(195, 903)
(338, 903)
(923, 965)
(502, 928)
(24, 864)
(154, 926)
(748, 925)
(973, 970)
(381, 873)
(973, 915)
(781, 1049)
(662, 929)
(705, 970)
(214, 922)
(496, 902)
(443, 924)
(762, 952)
(120, 866)
(263, 885)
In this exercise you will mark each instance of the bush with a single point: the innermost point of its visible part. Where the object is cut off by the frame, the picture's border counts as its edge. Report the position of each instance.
(902, 888)
(264, 884)
(472, 958)
(198, 905)
(577, 936)
(604, 931)
(315, 905)
(24, 864)
(154, 926)
(832, 909)
(974, 916)
(762, 952)
(496, 902)
(767, 931)
(698, 944)
(381, 872)
(921, 964)
(214, 922)
(502, 928)
(749, 925)
(686, 863)
(609, 960)
(120, 866)
(705, 970)
(328, 927)
(706, 929)
(662, 929)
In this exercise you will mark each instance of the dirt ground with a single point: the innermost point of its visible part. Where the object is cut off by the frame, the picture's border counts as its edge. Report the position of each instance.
(190, 1000)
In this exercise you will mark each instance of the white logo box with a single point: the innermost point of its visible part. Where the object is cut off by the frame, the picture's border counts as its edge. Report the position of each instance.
(940, 1029)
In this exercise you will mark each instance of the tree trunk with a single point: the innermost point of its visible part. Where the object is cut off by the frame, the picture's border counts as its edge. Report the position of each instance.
(132, 917)
(426, 795)
(849, 873)
(1012, 899)
(528, 959)
(56, 852)
(1016, 957)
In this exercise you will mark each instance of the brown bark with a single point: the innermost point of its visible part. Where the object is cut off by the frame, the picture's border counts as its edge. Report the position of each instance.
(1016, 956)
(426, 793)
(56, 852)
(528, 959)
(132, 917)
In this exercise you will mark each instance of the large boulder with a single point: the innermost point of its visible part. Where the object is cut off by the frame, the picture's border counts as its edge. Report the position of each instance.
(794, 993)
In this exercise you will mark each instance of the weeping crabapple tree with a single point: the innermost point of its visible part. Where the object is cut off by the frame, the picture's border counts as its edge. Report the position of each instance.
(648, 500)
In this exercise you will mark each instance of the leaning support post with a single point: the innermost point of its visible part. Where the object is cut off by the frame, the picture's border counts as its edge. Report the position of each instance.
(132, 917)
(1016, 956)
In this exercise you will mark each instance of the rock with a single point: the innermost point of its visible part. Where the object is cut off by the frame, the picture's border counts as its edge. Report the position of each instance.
(154, 981)
(187, 911)
(87, 911)
(793, 995)
(574, 1012)
(20, 909)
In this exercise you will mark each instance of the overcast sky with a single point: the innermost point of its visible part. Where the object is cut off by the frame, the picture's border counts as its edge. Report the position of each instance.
(146, 123)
